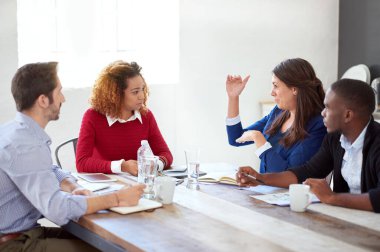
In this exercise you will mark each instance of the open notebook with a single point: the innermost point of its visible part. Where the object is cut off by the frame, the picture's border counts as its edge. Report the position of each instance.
(219, 177)
(144, 204)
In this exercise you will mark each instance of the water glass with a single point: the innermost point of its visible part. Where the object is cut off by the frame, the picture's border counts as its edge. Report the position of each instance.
(148, 175)
(192, 165)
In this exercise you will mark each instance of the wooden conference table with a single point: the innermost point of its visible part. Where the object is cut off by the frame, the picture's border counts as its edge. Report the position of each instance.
(223, 218)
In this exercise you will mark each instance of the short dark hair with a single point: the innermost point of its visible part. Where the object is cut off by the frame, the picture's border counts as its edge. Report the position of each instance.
(33, 80)
(357, 95)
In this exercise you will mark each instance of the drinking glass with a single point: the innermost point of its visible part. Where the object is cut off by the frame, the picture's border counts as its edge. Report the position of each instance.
(192, 165)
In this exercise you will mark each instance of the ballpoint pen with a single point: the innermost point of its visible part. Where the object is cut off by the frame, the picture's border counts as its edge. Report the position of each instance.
(253, 177)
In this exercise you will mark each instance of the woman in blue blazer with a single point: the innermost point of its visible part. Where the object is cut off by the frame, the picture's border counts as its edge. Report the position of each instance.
(293, 131)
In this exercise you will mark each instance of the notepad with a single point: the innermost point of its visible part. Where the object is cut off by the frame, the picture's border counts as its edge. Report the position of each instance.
(144, 204)
(218, 177)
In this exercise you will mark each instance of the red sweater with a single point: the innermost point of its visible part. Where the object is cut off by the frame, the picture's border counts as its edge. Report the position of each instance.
(99, 144)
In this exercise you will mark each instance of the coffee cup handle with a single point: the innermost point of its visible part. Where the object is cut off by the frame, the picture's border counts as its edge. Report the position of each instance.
(309, 196)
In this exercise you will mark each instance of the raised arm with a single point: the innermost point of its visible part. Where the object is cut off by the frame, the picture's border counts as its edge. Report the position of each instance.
(234, 86)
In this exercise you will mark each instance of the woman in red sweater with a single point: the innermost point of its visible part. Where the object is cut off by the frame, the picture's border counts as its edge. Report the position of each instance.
(112, 129)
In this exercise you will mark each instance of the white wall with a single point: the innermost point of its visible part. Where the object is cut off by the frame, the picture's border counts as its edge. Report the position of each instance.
(8, 56)
(216, 38)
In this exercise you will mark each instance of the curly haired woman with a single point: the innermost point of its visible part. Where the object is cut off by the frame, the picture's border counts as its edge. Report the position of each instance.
(112, 129)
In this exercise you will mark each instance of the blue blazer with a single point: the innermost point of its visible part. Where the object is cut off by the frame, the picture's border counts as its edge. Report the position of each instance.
(278, 158)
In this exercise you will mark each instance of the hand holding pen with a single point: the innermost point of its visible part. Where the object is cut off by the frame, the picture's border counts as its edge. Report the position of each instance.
(247, 176)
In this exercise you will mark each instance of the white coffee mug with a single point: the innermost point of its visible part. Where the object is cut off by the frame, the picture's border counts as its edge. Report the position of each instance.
(300, 197)
(165, 187)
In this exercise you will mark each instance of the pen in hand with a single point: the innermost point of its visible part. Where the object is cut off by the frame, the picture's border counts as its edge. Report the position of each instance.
(253, 177)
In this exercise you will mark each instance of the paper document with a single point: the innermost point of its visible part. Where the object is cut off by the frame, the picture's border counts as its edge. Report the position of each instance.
(111, 188)
(92, 186)
(127, 176)
(263, 189)
(280, 199)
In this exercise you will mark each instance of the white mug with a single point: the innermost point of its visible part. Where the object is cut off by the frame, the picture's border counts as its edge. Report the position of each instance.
(300, 197)
(165, 187)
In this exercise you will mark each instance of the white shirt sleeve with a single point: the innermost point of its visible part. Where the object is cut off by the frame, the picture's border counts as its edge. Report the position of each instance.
(160, 165)
(116, 166)
(232, 121)
(263, 148)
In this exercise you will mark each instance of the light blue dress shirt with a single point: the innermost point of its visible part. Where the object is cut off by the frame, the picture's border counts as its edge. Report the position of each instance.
(29, 182)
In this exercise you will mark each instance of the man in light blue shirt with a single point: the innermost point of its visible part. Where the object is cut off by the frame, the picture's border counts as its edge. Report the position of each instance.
(30, 185)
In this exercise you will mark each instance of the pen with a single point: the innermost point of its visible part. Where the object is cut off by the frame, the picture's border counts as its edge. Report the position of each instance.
(253, 177)
(179, 181)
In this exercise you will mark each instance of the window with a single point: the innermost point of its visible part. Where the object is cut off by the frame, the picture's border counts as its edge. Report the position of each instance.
(86, 35)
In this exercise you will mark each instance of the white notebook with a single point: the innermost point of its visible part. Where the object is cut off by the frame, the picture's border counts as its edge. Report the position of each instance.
(144, 204)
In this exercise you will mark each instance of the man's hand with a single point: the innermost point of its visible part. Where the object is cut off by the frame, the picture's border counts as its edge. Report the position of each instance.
(243, 180)
(321, 189)
(129, 196)
(82, 191)
(130, 166)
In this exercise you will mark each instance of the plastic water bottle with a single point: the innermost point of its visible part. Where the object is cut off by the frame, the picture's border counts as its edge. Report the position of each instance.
(144, 150)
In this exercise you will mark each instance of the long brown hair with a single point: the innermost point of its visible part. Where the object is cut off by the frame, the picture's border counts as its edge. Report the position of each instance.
(108, 92)
(300, 74)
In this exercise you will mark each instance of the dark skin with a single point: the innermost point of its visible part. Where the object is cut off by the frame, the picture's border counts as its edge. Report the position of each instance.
(338, 117)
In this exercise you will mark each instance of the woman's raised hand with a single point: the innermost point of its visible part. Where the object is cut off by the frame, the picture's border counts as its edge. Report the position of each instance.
(235, 85)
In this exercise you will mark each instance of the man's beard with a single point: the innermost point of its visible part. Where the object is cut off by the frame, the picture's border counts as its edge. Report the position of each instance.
(54, 113)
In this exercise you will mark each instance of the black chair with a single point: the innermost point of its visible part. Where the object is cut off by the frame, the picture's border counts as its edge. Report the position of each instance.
(73, 141)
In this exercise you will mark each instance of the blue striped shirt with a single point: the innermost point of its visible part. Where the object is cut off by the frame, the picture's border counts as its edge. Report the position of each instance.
(29, 182)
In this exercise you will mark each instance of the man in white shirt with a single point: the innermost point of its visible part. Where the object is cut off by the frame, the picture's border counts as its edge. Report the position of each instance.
(351, 150)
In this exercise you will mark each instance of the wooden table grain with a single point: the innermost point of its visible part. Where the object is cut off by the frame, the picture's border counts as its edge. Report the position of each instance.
(223, 218)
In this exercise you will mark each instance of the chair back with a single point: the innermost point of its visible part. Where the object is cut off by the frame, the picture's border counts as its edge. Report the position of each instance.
(72, 142)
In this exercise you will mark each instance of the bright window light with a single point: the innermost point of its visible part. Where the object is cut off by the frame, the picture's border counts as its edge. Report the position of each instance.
(86, 35)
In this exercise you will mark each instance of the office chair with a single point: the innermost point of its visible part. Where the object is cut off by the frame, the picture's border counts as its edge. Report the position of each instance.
(358, 72)
(74, 143)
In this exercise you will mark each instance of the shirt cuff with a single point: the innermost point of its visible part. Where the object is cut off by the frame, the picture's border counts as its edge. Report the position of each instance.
(116, 166)
(232, 121)
(263, 148)
(61, 174)
(161, 165)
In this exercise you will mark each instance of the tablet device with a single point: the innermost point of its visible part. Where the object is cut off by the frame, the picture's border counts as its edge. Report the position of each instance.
(95, 177)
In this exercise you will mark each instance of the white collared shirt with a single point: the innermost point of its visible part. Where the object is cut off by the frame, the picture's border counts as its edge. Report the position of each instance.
(352, 161)
(116, 165)
(136, 115)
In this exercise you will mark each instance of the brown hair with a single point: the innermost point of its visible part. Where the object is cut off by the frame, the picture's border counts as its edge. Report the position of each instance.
(300, 74)
(32, 80)
(108, 92)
